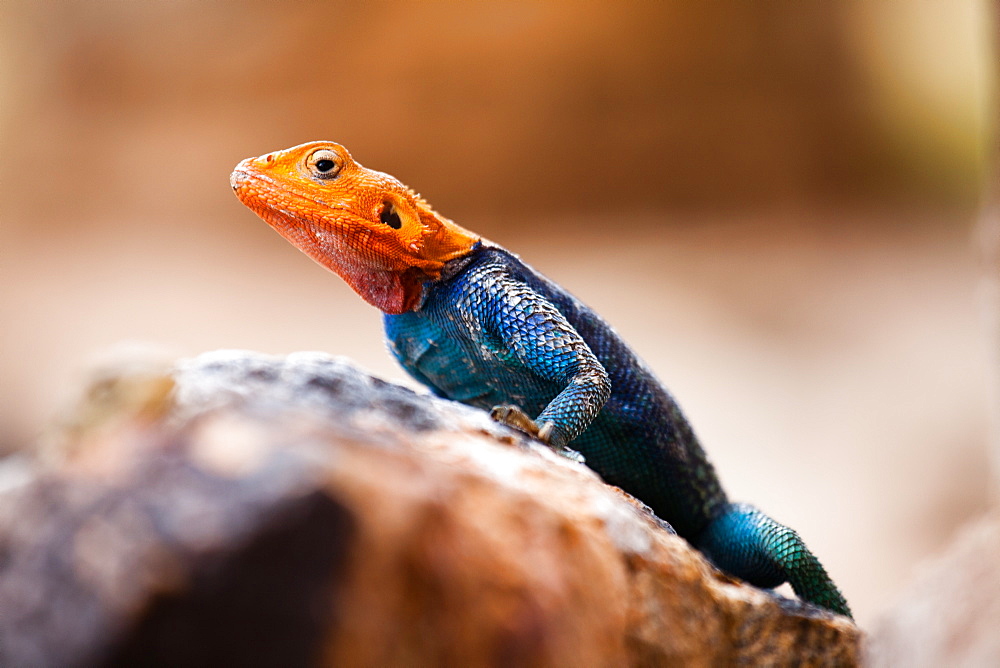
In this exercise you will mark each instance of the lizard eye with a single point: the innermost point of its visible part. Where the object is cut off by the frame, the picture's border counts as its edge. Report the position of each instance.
(323, 164)
(390, 217)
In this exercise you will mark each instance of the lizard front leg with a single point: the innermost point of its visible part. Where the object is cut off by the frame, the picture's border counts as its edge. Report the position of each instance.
(539, 337)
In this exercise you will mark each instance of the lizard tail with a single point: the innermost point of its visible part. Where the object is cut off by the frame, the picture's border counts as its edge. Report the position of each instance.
(745, 542)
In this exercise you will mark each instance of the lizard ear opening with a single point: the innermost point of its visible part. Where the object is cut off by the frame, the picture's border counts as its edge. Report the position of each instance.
(389, 216)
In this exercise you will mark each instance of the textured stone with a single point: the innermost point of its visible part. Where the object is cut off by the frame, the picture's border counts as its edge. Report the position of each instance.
(295, 511)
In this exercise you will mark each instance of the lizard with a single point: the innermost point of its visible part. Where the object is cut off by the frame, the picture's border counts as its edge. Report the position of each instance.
(475, 324)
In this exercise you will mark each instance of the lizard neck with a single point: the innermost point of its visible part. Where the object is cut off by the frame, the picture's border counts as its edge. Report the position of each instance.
(455, 266)
(451, 269)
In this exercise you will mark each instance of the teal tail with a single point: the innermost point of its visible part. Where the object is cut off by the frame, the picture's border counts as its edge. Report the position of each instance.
(745, 542)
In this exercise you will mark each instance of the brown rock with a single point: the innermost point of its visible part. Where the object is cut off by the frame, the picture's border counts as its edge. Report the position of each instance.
(295, 511)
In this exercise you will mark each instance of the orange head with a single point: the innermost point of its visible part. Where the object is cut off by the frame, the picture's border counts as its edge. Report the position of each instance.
(366, 226)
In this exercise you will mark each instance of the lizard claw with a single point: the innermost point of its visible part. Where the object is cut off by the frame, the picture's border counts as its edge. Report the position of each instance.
(545, 432)
(514, 417)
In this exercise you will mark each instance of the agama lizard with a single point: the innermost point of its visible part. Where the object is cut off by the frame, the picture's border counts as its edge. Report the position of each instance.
(475, 324)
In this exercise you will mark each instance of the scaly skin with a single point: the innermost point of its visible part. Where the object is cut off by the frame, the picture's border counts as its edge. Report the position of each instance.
(475, 324)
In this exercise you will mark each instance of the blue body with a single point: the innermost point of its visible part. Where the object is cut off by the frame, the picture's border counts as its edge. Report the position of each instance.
(492, 331)
(496, 332)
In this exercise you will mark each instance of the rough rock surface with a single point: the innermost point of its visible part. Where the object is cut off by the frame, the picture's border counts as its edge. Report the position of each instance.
(296, 511)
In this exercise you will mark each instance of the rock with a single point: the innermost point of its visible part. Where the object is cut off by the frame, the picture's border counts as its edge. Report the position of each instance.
(950, 615)
(296, 511)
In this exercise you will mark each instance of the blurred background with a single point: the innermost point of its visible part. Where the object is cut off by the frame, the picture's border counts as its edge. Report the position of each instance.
(774, 203)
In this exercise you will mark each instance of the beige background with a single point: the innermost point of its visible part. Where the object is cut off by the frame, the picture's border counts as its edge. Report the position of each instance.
(775, 205)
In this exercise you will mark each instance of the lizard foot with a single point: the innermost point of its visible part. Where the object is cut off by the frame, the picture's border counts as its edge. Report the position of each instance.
(514, 417)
